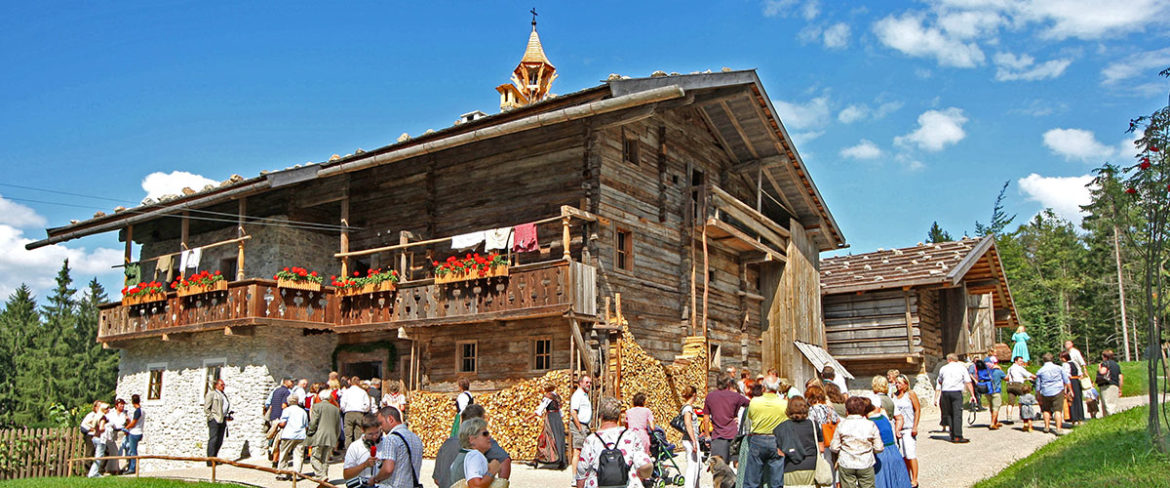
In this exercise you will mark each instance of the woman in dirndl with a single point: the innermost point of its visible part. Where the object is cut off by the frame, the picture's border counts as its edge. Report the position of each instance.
(550, 446)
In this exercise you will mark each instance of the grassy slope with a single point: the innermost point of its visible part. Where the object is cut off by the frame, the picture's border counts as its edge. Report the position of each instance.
(107, 482)
(1113, 452)
(1134, 372)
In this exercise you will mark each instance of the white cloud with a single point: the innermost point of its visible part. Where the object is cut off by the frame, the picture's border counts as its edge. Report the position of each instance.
(936, 129)
(158, 183)
(1063, 194)
(16, 215)
(812, 114)
(811, 9)
(856, 112)
(864, 149)
(1146, 64)
(1010, 67)
(1077, 144)
(970, 24)
(837, 36)
(39, 267)
(1093, 19)
(911, 36)
(1040, 108)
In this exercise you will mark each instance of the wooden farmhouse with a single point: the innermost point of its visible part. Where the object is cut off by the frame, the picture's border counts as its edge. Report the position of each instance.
(907, 308)
(683, 194)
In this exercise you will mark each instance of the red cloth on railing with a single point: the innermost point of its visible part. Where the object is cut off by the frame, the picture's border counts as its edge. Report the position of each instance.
(524, 238)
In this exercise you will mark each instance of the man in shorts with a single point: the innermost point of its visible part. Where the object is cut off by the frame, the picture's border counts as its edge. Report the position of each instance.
(582, 414)
(1052, 384)
(995, 391)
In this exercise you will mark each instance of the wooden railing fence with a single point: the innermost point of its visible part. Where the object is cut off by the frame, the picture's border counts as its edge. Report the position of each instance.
(29, 453)
(214, 462)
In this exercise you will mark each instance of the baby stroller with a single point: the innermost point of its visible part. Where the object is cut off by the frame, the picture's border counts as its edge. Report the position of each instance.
(666, 472)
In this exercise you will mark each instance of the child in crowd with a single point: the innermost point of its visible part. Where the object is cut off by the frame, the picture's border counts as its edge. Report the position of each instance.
(856, 440)
(1027, 407)
(1091, 397)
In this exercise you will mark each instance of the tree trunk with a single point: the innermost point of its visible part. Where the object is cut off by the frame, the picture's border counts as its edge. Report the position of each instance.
(1121, 294)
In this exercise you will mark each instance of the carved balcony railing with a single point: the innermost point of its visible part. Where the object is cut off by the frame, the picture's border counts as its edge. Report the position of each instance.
(551, 288)
(247, 302)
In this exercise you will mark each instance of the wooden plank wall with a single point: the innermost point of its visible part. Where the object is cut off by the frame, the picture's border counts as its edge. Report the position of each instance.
(872, 323)
(930, 320)
(505, 352)
(649, 198)
(795, 312)
(981, 309)
(32, 453)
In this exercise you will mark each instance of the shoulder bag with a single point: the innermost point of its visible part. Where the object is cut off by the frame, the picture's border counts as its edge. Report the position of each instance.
(409, 460)
(823, 475)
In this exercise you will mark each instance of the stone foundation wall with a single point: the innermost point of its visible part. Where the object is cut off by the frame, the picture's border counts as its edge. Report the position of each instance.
(176, 424)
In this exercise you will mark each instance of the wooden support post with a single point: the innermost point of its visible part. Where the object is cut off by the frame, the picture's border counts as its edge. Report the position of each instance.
(403, 239)
(184, 233)
(240, 246)
(706, 278)
(909, 325)
(345, 235)
(760, 188)
(608, 317)
(129, 250)
(213, 470)
(566, 237)
(618, 309)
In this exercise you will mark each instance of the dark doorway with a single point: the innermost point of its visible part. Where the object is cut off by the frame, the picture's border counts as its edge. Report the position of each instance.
(364, 369)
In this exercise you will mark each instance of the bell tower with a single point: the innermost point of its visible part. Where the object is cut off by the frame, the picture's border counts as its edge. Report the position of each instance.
(532, 79)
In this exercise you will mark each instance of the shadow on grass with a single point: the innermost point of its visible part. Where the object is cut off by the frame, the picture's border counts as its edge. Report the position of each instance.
(1113, 452)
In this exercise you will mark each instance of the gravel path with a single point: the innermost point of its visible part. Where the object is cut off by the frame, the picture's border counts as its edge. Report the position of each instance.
(942, 464)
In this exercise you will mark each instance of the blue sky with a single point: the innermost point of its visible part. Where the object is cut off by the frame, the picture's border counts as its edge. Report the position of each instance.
(905, 113)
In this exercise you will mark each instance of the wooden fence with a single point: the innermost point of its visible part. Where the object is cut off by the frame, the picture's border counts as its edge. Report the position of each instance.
(29, 453)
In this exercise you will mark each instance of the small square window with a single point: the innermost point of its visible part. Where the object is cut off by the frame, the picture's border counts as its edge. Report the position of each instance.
(629, 147)
(467, 355)
(542, 353)
(154, 389)
(624, 247)
(214, 370)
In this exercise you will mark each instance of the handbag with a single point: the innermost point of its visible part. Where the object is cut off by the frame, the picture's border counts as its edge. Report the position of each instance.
(823, 475)
(1086, 383)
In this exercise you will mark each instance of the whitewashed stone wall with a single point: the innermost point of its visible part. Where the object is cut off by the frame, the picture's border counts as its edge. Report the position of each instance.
(176, 424)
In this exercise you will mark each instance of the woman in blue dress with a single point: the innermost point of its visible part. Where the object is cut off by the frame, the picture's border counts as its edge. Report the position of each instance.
(889, 470)
(1021, 339)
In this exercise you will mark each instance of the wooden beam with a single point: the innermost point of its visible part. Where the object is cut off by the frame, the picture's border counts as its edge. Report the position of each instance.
(243, 330)
(768, 253)
(581, 345)
(757, 163)
(240, 233)
(128, 253)
(909, 323)
(344, 245)
(747, 142)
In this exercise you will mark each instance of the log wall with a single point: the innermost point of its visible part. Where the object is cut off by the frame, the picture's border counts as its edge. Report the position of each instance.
(794, 313)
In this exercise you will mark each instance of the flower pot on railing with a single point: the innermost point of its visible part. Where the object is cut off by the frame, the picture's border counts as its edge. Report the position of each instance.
(191, 290)
(375, 281)
(352, 291)
(144, 298)
(148, 292)
(298, 279)
(455, 277)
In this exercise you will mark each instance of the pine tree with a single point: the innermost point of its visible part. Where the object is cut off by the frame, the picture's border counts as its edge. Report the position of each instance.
(100, 364)
(936, 234)
(999, 218)
(46, 372)
(18, 319)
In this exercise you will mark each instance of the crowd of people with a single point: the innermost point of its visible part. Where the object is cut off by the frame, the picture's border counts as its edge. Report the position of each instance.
(759, 431)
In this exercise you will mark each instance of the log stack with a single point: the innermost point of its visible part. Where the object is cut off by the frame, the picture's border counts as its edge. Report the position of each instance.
(509, 414)
(662, 385)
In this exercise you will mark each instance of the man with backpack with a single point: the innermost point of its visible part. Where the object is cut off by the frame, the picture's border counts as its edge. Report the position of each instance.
(989, 382)
(612, 457)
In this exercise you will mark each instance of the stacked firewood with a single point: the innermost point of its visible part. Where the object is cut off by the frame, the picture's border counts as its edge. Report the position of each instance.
(509, 413)
(662, 385)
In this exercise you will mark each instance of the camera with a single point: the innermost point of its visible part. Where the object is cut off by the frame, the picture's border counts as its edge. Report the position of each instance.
(230, 415)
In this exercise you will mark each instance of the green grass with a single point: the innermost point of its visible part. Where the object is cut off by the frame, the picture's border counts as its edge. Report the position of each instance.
(1113, 452)
(107, 482)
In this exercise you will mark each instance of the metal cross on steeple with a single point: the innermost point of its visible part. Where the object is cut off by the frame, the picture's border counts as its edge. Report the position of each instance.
(533, 12)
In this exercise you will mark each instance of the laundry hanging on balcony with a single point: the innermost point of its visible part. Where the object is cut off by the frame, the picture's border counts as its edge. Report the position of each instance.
(133, 274)
(190, 260)
(525, 238)
(500, 238)
(468, 240)
(163, 267)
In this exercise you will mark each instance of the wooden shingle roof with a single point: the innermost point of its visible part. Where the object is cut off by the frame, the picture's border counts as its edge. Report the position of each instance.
(973, 262)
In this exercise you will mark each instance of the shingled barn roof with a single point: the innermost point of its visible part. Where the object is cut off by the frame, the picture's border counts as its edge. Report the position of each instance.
(974, 262)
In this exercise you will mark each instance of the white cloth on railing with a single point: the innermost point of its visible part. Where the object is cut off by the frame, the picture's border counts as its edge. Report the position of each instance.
(498, 239)
(471, 239)
(190, 259)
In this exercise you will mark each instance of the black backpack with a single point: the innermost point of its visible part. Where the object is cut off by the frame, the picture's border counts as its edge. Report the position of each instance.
(612, 469)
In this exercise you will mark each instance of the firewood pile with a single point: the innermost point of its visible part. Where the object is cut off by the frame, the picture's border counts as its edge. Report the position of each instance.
(662, 385)
(509, 414)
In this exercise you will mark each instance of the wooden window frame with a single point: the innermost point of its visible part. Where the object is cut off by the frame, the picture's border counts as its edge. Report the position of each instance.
(534, 354)
(220, 364)
(627, 251)
(151, 369)
(459, 357)
(714, 356)
(631, 152)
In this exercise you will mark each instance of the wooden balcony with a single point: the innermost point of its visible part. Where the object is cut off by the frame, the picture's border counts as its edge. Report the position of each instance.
(546, 289)
(244, 303)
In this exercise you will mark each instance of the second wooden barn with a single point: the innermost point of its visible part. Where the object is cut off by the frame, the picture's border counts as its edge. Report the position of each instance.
(907, 308)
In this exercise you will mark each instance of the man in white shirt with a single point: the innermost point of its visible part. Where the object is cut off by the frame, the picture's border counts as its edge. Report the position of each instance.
(581, 414)
(1017, 376)
(115, 431)
(136, 419)
(293, 423)
(358, 461)
(300, 390)
(355, 402)
(1075, 357)
(953, 378)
